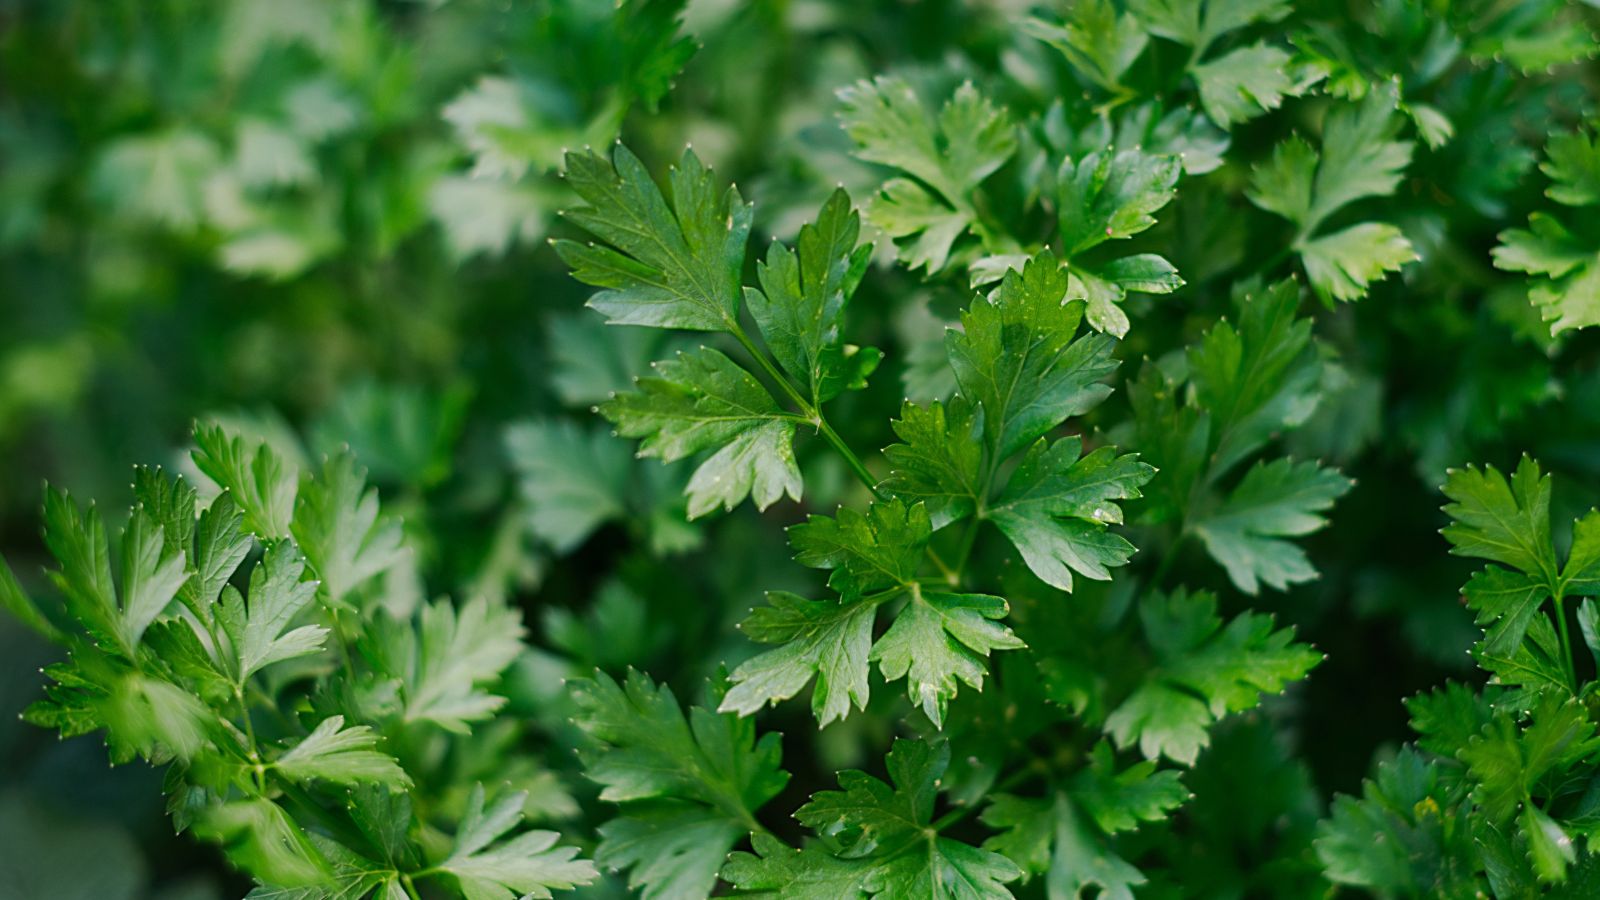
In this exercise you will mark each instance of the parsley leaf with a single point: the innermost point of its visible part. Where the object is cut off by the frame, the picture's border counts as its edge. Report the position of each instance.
(673, 265)
(1016, 357)
(1274, 500)
(258, 632)
(878, 841)
(949, 156)
(528, 865)
(1567, 293)
(936, 641)
(801, 302)
(1204, 669)
(151, 572)
(829, 640)
(1099, 42)
(690, 786)
(879, 550)
(703, 401)
(332, 752)
(1057, 505)
(1359, 158)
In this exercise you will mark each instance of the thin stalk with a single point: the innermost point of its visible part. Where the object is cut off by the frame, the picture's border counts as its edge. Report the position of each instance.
(257, 772)
(951, 577)
(1567, 661)
(961, 812)
(968, 540)
(850, 458)
(811, 414)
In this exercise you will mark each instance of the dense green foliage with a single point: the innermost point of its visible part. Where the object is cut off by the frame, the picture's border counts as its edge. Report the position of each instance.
(1002, 456)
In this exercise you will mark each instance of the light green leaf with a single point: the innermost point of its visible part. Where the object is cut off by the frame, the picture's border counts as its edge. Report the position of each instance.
(1016, 357)
(704, 775)
(937, 640)
(339, 529)
(1100, 43)
(262, 484)
(334, 753)
(669, 266)
(952, 155)
(1056, 507)
(884, 828)
(1501, 521)
(1275, 500)
(1344, 263)
(1204, 671)
(871, 552)
(830, 641)
(572, 479)
(259, 633)
(703, 401)
(939, 460)
(801, 302)
(1244, 83)
(1112, 195)
(527, 865)
(453, 654)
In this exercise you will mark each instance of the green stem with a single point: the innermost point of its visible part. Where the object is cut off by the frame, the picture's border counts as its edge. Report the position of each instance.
(969, 539)
(810, 412)
(951, 577)
(1000, 787)
(1567, 661)
(411, 889)
(850, 458)
(257, 772)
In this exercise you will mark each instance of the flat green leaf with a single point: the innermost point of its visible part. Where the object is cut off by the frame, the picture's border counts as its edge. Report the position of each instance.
(1255, 379)
(262, 484)
(451, 657)
(151, 572)
(800, 306)
(1506, 602)
(871, 552)
(951, 154)
(1341, 265)
(1501, 521)
(967, 142)
(1112, 195)
(1205, 669)
(1051, 836)
(1572, 161)
(527, 865)
(1057, 506)
(1244, 83)
(703, 401)
(938, 640)
(671, 265)
(1100, 43)
(884, 826)
(1198, 23)
(828, 640)
(338, 526)
(705, 773)
(1360, 157)
(259, 632)
(939, 459)
(1015, 356)
(573, 479)
(1275, 500)
(334, 753)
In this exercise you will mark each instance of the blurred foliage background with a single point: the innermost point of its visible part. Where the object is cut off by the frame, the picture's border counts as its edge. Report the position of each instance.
(323, 222)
